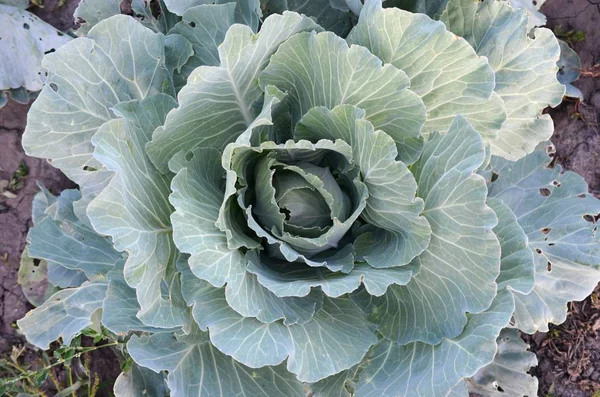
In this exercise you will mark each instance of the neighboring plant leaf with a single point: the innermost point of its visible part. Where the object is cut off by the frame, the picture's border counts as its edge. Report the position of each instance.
(500, 33)
(458, 268)
(569, 65)
(140, 381)
(134, 209)
(197, 368)
(555, 211)
(64, 315)
(419, 369)
(24, 40)
(423, 48)
(217, 103)
(33, 279)
(507, 374)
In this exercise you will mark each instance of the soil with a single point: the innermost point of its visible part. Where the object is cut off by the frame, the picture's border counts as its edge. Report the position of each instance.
(569, 354)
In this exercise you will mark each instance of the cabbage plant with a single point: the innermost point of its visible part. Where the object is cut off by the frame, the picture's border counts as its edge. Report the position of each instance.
(284, 197)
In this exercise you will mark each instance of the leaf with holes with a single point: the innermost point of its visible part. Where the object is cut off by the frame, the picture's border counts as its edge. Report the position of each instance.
(281, 197)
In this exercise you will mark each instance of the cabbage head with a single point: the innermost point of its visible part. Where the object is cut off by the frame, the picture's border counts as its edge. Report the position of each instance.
(283, 197)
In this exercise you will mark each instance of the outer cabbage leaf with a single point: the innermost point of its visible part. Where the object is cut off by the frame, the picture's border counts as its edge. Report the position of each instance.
(204, 27)
(347, 75)
(64, 315)
(140, 381)
(134, 209)
(89, 13)
(218, 103)
(507, 374)
(525, 69)
(45, 206)
(33, 279)
(339, 385)
(42, 201)
(24, 40)
(64, 278)
(247, 12)
(328, 16)
(22, 4)
(550, 207)
(517, 268)
(433, 8)
(118, 61)
(534, 16)
(569, 65)
(458, 268)
(460, 390)
(120, 307)
(334, 340)
(143, 12)
(444, 70)
(198, 193)
(197, 368)
(419, 369)
(66, 241)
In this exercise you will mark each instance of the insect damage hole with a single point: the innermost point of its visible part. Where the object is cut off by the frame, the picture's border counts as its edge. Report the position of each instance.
(545, 192)
(549, 266)
(591, 218)
(546, 230)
